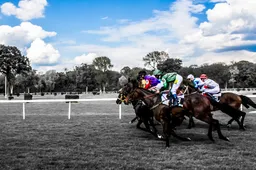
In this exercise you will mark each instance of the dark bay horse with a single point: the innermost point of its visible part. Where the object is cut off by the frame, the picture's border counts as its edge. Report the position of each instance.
(201, 107)
(223, 105)
(161, 112)
(235, 101)
(143, 115)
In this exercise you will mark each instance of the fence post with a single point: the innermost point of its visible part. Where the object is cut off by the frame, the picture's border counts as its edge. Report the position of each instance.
(69, 109)
(23, 104)
(120, 111)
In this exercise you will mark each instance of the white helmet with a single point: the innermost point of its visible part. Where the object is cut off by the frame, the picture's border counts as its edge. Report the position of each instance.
(191, 77)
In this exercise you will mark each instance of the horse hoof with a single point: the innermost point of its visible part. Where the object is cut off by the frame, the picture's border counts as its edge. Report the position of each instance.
(242, 128)
(229, 125)
(159, 136)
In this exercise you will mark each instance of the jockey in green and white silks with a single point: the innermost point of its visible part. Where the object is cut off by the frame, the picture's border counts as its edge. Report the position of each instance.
(172, 82)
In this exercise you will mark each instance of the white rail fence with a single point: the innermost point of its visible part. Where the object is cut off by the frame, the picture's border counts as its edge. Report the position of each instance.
(58, 100)
(74, 100)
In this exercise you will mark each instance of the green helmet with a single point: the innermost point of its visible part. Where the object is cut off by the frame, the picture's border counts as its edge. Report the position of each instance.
(157, 72)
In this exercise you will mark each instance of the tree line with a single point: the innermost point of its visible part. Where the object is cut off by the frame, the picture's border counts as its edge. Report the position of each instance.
(98, 76)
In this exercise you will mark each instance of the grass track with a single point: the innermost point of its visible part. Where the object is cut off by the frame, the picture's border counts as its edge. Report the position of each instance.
(94, 138)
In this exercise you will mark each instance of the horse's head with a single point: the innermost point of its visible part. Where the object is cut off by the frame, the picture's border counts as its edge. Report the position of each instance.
(187, 87)
(120, 97)
(126, 90)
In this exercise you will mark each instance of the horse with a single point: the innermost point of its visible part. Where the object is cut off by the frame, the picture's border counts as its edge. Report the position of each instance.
(223, 105)
(201, 107)
(143, 115)
(235, 101)
(160, 111)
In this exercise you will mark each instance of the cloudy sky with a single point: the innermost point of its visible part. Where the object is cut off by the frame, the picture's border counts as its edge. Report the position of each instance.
(58, 34)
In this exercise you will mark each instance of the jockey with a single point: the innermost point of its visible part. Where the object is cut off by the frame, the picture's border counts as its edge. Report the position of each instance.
(141, 79)
(172, 82)
(152, 83)
(210, 86)
(198, 83)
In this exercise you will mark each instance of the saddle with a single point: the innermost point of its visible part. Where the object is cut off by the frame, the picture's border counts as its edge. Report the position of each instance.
(215, 97)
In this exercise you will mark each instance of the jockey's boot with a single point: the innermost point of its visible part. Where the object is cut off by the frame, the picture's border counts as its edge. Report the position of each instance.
(175, 100)
(211, 96)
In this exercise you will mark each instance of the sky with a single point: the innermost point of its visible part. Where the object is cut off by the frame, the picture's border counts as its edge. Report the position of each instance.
(59, 34)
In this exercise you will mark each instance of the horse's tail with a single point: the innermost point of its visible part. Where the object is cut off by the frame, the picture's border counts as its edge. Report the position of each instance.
(224, 107)
(246, 101)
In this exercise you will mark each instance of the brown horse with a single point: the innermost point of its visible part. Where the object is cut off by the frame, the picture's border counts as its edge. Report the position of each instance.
(201, 107)
(143, 115)
(160, 111)
(223, 105)
(235, 101)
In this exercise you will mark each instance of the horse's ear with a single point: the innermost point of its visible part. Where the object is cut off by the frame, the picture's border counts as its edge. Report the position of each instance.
(135, 83)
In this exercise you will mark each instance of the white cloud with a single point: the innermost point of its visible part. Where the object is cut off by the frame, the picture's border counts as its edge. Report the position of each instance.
(42, 53)
(26, 10)
(23, 34)
(226, 57)
(218, 1)
(229, 24)
(162, 22)
(104, 18)
(85, 58)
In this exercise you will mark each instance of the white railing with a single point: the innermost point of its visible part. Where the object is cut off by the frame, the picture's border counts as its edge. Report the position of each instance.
(58, 100)
(73, 100)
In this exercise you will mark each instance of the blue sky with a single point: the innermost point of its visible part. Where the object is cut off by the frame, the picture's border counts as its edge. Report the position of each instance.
(61, 34)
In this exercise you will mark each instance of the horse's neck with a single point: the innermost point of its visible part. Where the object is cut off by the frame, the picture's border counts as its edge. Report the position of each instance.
(150, 100)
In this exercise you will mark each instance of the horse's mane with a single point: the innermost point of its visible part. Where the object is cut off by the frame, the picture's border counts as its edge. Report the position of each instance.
(145, 90)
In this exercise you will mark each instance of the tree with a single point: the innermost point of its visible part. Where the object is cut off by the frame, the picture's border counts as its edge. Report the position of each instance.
(12, 62)
(85, 77)
(246, 76)
(102, 65)
(125, 71)
(50, 79)
(27, 81)
(154, 58)
(170, 65)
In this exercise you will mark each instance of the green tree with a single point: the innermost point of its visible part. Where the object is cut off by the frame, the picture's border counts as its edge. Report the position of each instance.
(12, 62)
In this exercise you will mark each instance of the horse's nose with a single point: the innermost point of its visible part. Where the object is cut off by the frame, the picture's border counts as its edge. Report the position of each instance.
(126, 102)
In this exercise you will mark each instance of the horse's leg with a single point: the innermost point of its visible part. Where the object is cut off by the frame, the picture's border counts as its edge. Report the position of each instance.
(133, 120)
(230, 122)
(179, 137)
(210, 131)
(242, 121)
(191, 122)
(154, 131)
(166, 131)
(217, 126)
(151, 122)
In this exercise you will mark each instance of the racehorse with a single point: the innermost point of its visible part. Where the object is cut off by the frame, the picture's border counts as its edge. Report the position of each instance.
(224, 106)
(201, 108)
(160, 111)
(143, 115)
(235, 101)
